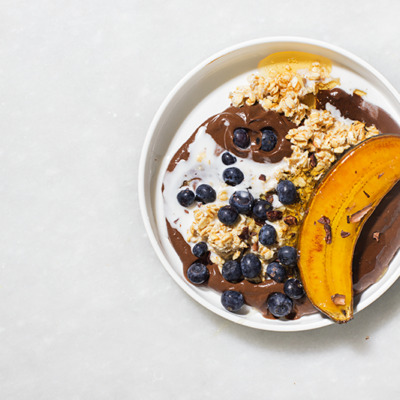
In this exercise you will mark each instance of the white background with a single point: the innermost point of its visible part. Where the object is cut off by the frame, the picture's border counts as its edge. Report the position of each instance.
(86, 309)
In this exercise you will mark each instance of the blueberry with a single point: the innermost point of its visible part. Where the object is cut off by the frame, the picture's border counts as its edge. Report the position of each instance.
(260, 209)
(200, 249)
(287, 255)
(267, 235)
(268, 139)
(228, 158)
(233, 176)
(232, 300)
(231, 271)
(279, 304)
(243, 201)
(197, 273)
(241, 138)
(294, 289)
(287, 193)
(205, 194)
(185, 197)
(276, 271)
(228, 215)
(251, 266)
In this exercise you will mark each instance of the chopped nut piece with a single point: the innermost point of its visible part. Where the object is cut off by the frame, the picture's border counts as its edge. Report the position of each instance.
(254, 246)
(344, 234)
(326, 222)
(339, 299)
(274, 215)
(244, 235)
(376, 235)
(366, 194)
(262, 177)
(290, 220)
(313, 160)
(359, 215)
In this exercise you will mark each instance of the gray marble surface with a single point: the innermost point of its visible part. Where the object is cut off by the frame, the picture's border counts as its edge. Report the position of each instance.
(86, 309)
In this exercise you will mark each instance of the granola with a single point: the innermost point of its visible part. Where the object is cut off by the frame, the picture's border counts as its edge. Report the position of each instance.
(229, 242)
(282, 92)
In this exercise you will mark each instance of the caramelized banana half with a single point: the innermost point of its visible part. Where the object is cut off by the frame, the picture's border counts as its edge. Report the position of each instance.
(337, 211)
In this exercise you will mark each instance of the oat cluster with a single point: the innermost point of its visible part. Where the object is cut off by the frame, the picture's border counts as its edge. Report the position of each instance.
(230, 242)
(326, 138)
(282, 92)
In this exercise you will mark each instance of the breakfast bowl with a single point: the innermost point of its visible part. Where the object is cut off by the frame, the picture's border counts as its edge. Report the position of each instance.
(204, 92)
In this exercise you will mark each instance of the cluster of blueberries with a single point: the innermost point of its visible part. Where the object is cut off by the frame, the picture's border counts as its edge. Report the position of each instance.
(242, 202)
(269, 139)
(249, 267)
(233, 176)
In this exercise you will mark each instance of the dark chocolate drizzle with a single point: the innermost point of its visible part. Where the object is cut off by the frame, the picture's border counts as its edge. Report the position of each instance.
(356, 108)
(253, 119)
(371, 258)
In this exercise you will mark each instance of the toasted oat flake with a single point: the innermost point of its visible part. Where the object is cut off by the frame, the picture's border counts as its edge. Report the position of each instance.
(230, 242)
(223, 196)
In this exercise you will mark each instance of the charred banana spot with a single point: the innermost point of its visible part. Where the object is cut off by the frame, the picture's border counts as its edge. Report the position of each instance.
(366, 194)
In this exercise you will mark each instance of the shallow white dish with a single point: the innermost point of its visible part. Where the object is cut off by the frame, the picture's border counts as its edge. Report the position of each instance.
(204, 92)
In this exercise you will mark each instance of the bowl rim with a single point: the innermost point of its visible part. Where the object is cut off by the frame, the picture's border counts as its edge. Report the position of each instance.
(278, 326)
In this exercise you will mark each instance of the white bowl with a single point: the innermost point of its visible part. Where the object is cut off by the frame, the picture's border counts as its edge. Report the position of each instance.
(204, 92)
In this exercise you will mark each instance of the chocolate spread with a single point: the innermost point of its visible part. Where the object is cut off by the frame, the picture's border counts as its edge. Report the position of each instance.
(356, 108)
(253, 118)
(372, 256)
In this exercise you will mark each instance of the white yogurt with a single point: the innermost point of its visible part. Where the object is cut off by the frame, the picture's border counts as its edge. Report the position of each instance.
(203, 163)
